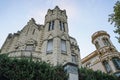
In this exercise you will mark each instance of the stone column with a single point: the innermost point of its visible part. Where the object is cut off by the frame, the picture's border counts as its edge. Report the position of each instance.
(72, 70)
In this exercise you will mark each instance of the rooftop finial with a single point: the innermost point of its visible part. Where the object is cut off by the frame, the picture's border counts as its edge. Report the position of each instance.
(56, 7)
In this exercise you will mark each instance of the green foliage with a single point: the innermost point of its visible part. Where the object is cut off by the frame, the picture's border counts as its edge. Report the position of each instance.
(115, 18)
(25, 69)
(89, 74)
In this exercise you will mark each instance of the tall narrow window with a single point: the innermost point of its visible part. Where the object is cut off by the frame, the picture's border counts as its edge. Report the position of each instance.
(107, 66)
(50, 46)
(51, 26)
(33, 32)
(63, 46)
(97, 45)
(116, 62)
(74, 59)
(106, 42)
(62, 26)
(29, 47)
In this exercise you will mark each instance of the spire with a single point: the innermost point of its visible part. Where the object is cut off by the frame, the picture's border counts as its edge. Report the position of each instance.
(57, 8)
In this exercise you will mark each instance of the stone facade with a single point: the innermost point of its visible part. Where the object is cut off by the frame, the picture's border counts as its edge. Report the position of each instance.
(52, 43)
(105, 58)
(49, 42)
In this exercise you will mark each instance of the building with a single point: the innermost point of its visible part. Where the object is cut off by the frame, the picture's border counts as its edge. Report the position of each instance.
(50, 42)
(106, 57)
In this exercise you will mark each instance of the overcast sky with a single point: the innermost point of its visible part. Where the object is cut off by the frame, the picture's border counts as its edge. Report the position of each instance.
(84, 18)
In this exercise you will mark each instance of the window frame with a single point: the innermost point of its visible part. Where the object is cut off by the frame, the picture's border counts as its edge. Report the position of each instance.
(49, 44)
(116, 64)
(97, 44)
(51, 26)
(74, 58)
(33, 32)
(62, 25)
(106, 42)
(108, 70)
(63, 44)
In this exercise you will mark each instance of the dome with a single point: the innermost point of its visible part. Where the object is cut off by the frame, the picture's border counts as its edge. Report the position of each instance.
(99, 33)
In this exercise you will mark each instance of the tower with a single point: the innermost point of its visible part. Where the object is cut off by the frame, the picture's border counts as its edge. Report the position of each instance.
(56, 21)
(107, 53)
(57, 43)
(102, 42)
(101, 39)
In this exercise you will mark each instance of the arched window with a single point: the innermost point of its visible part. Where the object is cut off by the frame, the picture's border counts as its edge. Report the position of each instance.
(116, 62)
(106, 42)
(97, 44)
(107, 66)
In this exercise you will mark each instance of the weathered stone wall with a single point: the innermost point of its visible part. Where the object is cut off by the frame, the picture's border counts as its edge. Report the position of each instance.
(39, 35)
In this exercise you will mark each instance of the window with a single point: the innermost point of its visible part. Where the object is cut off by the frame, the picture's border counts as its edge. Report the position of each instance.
(106, 42)
(88, 65)
(63, 46)
(107, 66)
(51, 26)
(29, 47)
(50, 46)
(74, 59)
(33, 32)
(62, 26)
(97, 45)
(117, 74)
(116, 62)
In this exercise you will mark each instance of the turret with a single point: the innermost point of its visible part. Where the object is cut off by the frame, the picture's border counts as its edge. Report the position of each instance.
(101, 39)
(56, 20)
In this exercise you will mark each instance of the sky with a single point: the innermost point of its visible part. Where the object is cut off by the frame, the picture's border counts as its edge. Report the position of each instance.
(85, 17)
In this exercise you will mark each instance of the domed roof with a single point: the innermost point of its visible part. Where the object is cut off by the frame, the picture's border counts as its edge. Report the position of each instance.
(99, 33)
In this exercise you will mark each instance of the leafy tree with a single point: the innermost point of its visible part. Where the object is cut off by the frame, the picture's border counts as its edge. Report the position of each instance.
(115, 18)
(89, 74)
(26, 69)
